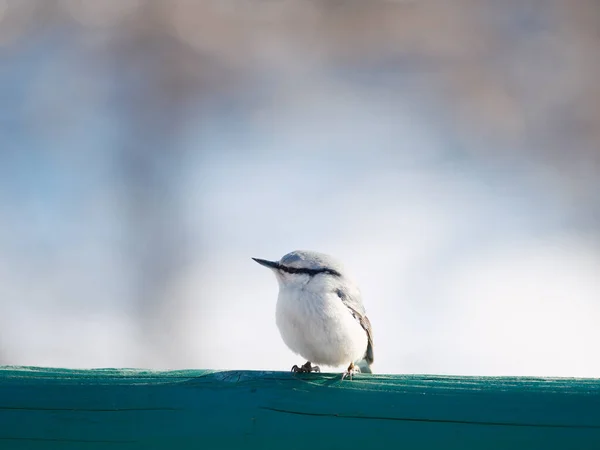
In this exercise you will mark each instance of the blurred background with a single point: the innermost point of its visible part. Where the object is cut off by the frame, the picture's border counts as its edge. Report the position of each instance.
(446, 152)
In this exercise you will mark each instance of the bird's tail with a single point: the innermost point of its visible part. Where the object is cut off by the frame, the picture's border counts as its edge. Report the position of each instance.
(364, 366)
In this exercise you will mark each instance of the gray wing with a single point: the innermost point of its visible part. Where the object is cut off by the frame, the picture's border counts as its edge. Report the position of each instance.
(354, 303)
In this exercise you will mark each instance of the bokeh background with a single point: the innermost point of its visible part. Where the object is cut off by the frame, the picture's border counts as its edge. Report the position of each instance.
(446, 151)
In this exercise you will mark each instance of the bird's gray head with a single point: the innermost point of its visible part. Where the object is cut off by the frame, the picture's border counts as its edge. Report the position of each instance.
(301, 266)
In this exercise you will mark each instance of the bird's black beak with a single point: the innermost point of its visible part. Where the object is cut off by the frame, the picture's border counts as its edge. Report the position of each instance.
(269, 264)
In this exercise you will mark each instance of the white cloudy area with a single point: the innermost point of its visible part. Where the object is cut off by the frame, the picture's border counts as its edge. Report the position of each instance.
(475, 256)
(461, 273)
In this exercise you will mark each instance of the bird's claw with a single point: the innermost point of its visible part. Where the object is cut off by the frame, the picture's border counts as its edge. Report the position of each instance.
(306, 368)
(352, 369)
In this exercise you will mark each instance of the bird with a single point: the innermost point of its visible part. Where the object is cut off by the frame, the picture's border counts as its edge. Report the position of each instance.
(320, 314)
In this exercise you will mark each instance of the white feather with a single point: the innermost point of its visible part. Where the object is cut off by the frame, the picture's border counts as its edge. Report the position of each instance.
(315, 324)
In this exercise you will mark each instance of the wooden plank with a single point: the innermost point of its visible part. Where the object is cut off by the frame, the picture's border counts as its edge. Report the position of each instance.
(193, 409)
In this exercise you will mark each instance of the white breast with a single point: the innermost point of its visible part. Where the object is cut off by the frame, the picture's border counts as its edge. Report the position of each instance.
(319, 327)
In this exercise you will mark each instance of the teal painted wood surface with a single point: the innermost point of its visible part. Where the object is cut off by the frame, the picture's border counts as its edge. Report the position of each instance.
(200, 409)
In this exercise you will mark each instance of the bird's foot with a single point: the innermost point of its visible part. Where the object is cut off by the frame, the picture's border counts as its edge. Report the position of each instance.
(306, 368)
(352, 369)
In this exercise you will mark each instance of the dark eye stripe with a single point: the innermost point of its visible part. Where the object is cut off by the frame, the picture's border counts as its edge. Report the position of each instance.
(310, 272)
